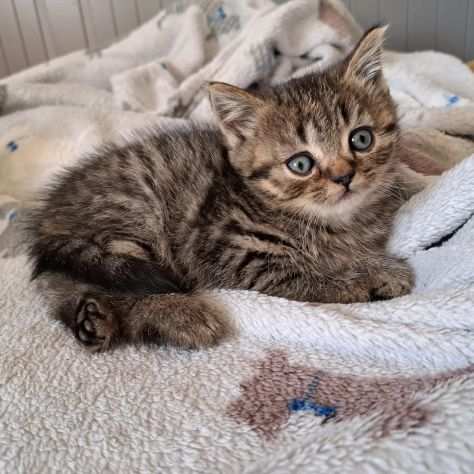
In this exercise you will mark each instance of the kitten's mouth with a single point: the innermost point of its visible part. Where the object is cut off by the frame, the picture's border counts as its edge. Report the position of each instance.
(345, 195)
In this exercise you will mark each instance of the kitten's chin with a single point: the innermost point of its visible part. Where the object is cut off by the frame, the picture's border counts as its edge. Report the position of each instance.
(339, 208)
(339, 212)
(345, 206)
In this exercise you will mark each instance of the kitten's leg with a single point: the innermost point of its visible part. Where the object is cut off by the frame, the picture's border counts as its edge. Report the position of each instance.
(390, 278)
(191, 321)
(100, 321)
(379, 278)
(382, 277)
(347, 287)
(185, 321)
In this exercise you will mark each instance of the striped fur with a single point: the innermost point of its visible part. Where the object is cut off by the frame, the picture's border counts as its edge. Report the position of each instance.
(202, 208)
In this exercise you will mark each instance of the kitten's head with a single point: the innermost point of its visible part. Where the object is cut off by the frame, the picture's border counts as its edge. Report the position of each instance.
(320, 144)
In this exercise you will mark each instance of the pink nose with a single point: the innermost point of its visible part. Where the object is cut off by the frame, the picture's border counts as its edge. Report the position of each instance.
(345, 179)
(341, 172)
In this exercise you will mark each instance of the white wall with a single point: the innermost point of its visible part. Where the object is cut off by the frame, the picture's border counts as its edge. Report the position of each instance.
(446, 25)
(32, 31)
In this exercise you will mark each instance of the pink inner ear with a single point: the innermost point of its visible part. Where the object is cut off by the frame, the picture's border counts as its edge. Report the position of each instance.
(331, 16)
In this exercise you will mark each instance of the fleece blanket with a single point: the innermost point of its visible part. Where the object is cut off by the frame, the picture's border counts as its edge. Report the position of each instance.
(380, 387)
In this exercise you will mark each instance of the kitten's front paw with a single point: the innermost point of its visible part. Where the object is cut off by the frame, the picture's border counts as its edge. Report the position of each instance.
(354, 294)
(395, 279)
(95, 325)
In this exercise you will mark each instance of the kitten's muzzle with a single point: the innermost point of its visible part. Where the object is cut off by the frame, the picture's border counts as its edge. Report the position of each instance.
(345, 179)
(340, 171)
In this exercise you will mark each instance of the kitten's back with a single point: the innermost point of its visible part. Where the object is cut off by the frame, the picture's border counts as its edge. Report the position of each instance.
(100, 221)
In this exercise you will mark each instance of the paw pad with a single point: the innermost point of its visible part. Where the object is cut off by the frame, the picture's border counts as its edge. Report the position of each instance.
(94, 326)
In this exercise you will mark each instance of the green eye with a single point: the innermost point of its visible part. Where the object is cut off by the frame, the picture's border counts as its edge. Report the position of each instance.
(300, 164)
(361, 139)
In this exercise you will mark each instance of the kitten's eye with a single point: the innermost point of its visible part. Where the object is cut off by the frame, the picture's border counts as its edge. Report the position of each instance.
(300, 164)
(361, 139)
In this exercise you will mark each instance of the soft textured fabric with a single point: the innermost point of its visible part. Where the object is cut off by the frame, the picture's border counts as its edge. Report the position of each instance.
(381, 387)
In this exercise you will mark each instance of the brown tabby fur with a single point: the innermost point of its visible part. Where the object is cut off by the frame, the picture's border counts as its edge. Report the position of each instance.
(132, 238)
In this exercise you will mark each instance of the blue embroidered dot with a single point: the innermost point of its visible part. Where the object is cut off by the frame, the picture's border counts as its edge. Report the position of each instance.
(454, 99)
(12, 215)
(12, 146)
(221, 13)
(308, 405)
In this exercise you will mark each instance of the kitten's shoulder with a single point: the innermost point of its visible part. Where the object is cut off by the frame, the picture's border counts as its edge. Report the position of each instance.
(193, 135)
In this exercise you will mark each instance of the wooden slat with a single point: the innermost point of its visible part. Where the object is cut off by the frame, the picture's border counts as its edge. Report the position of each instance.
(366, 11)
(28, 20)
(99, 23)
(147, 9)
(43, 17)
(348, 3)
(3, 62)
(62, 26)
(422, 20)
(395, 14)
(126, 15)
(452, 26)
(13, 45)
(33, 30)
(469, 49)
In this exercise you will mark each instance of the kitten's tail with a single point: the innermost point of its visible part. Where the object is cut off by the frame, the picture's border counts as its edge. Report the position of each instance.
(87, 262)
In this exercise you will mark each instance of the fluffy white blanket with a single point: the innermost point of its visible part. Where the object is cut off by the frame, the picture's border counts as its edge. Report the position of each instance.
(380, 387)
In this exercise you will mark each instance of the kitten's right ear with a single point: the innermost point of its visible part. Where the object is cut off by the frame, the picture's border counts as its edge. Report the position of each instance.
(236, 111)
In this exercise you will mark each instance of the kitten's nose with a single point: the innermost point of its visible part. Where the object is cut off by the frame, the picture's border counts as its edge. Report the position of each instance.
(344, 179)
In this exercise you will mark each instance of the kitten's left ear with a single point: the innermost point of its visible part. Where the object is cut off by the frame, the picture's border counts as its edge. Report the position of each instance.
(365, 62)
(236, 111)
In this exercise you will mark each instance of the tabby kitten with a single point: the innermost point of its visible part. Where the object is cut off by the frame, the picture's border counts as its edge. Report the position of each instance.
(293, 196)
